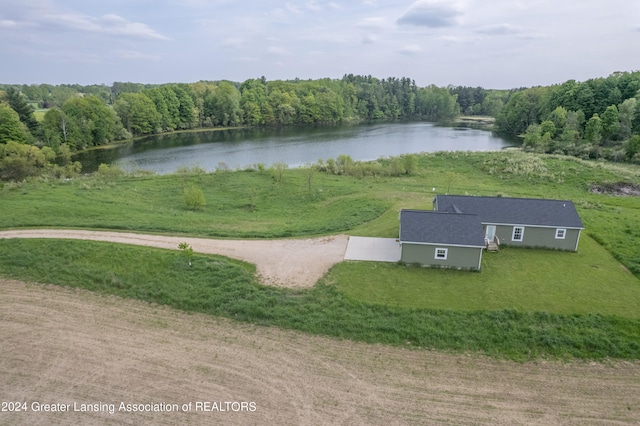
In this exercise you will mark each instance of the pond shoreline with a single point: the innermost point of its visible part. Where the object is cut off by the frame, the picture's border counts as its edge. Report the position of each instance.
(238, 147)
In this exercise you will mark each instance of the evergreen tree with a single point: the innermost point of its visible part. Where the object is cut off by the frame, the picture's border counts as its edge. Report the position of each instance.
(19, 103)
(11, 128)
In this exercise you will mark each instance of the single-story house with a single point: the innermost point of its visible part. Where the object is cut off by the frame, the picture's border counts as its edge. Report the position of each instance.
(454, 234)
(441, 239)
(522, 222)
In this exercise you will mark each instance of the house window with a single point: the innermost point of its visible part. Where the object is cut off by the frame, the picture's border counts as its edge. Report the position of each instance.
(518, 233)
(560, 234)
(441, 253)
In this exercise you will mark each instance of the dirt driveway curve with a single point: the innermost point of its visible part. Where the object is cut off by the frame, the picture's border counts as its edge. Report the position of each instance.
(293, 263)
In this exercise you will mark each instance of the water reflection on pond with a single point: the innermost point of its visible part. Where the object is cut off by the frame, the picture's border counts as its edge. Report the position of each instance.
(294, 146)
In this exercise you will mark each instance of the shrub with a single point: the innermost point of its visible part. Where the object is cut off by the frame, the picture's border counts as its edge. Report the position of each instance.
(193, 197)
(396, 167)
(109, 171)
(20, 161)
(409, 162)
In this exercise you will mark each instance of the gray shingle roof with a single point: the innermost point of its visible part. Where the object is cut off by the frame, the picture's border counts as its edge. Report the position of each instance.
(424, 226)
(513, 211)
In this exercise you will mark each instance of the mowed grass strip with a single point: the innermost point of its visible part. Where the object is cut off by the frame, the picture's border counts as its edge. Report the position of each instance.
(221, 286)
(531, 280)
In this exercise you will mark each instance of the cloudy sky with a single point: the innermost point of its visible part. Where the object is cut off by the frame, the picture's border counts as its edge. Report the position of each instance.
(489, 43)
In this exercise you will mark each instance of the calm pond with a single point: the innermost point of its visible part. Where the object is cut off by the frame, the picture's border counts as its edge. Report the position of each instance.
(239, 148)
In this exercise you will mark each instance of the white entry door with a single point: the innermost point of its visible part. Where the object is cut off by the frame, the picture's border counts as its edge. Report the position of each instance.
(490, 233)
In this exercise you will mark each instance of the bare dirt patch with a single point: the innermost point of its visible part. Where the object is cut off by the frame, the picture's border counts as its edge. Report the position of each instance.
(63, 346)
(293, 263)
(623, 189)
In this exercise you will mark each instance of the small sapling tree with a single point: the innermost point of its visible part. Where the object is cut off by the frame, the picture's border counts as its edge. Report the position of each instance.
(278, 170)
(187, 250)
(450, 178)
(309, 171)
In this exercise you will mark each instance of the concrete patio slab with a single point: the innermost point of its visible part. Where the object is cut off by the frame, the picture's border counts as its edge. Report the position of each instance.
(373, 249)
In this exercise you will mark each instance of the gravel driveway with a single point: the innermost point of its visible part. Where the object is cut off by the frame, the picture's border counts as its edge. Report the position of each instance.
(293, 263)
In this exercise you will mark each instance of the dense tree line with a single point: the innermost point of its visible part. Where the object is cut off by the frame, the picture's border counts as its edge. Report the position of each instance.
(78, 117)
(591, 119)
(140, 109)
(480, 101)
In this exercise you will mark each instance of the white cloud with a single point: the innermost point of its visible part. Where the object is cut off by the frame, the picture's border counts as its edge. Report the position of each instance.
(411, 49)
(533, 36)
(432, 14)
(203, 3)
(7, 24)
(277, 50)
(108, 24)
(498, 29)
(72, 56)
(448, 39)
(293, 8)
(132, 54)
(325, 35)
(313, 5)
(88, 41)
(369, 39)
(245, 59)
(372, 23)
(233, 42)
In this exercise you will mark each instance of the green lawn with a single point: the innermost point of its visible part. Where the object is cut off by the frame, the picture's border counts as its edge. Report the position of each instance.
(530, 280)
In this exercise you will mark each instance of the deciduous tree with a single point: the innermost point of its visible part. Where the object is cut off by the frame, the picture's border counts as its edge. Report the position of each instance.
(54, 127)
(138, 113)
(626, 113)
(593, 130)
(633, 148)
(91, 122)
(610, 123)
